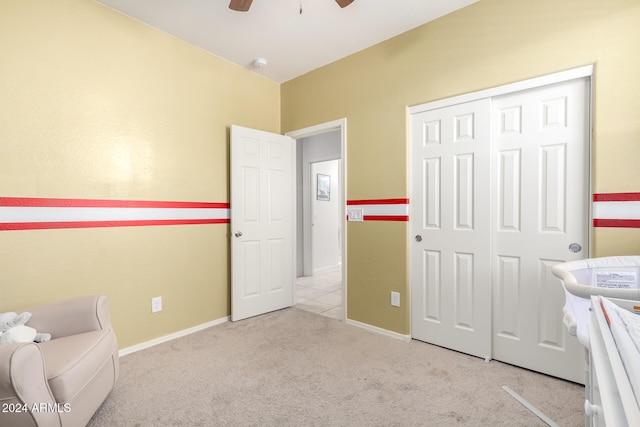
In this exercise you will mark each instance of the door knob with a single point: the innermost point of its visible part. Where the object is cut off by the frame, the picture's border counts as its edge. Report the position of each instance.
(418, 238)
(238, 233)
(575, 248)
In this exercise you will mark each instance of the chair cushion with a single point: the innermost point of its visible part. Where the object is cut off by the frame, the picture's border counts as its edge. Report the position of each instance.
(71, 362)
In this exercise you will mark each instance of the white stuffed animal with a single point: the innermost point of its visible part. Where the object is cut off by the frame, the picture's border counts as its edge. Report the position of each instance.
(14, 330)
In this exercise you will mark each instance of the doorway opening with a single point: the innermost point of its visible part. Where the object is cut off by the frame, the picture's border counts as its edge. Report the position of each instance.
(320, 219)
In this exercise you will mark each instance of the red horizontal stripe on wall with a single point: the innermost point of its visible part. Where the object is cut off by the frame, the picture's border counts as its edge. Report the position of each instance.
(619, 223)
(378, 202)
(40, 202)
(96, 224)
(617, 197)
(385, 218)
(616, 210)
(37, 213)
(379, 209)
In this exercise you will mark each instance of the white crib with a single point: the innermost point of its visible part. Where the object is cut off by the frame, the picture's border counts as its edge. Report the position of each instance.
(609, 397)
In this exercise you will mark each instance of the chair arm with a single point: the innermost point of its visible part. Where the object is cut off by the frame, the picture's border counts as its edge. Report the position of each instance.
(71, 317)
(24, 392)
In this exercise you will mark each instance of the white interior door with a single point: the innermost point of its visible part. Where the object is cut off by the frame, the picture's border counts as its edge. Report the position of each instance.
(450, 227)
(541, 149)
(262, 222)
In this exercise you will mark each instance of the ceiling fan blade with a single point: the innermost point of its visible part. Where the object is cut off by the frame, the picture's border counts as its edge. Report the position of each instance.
(344, 3)
(241, 5)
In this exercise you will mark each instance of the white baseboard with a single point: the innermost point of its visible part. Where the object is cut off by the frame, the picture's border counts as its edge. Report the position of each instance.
(379, 330)
(188, 331)
(163, 339)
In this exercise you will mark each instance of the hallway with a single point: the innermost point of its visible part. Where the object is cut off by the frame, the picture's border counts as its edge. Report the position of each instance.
(321, 293)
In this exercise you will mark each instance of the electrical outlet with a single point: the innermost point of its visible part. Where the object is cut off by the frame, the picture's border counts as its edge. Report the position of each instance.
(156, 304)
(395, 299)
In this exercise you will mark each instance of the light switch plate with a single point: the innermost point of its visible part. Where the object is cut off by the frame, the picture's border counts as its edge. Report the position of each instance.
(355, 215)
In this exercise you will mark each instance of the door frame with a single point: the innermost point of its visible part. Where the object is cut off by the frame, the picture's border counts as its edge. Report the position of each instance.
(335, 125)
(575, 73)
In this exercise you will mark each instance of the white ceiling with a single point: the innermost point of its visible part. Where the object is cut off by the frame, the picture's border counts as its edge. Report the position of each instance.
(292, 43)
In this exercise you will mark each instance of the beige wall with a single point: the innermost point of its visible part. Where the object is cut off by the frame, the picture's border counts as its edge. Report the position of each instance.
(488, 44)
(96, 105)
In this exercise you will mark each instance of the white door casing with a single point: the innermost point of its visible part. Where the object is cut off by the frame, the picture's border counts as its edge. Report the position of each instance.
(450, 228)
(262, 222)
(538, 201)
(339, 125)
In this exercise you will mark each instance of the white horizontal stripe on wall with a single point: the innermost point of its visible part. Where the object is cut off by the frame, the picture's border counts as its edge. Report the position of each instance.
(11, 214)
(616, 210)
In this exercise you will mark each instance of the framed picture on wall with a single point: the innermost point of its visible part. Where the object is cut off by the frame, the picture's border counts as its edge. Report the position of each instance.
(323, 187)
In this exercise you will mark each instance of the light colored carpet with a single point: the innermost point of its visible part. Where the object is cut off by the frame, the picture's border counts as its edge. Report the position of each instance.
(295, 368)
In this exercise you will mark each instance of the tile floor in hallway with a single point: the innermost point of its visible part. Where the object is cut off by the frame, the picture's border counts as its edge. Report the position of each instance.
(321, 293)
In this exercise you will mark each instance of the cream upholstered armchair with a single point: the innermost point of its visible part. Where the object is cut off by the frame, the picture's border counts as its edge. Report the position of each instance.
(61, 382)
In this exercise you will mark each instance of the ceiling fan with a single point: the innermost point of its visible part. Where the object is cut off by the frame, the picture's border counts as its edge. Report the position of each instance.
(244, 5)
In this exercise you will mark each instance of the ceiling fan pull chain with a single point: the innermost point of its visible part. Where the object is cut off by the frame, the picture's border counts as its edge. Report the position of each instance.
(300, 7)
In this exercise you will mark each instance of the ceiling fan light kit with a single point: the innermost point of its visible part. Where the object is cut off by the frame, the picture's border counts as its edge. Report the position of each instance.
(244, 5)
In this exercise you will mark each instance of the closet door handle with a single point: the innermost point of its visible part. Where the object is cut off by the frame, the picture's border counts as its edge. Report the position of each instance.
(418, 238)
(238, 234)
